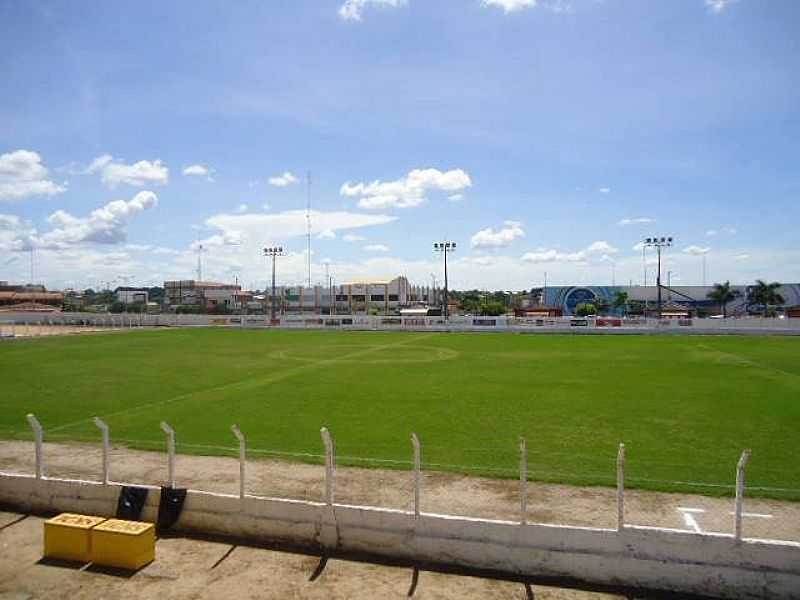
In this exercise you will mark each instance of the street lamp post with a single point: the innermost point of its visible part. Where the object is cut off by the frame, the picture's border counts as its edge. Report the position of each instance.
(273, 252)
(658, 244)
(445, 248)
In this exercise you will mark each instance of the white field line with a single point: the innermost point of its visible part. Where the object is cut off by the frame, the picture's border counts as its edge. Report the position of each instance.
(243, 385)
(688, 517)
(753, 515)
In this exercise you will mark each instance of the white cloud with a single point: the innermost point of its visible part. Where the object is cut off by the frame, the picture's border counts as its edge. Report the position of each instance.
(582, 256)
(106, 225)
(489, 238)
(255, 229)
(138, 174)
(636, 221)
(16, 234)
(601, 246)
(228, 238)
(353, 10)
(510, 6)
(22, 174)
(605, 190)
(483, 261)
(549, 256)
(242, 208)
(741, 257)
(351, 237)
(456, 197)
(717, 6)
(266, 206)
(696, 250)
(408, 191)
(198, 171)
(283, 180)
(376, 248)
(327, 234)
(729, 230)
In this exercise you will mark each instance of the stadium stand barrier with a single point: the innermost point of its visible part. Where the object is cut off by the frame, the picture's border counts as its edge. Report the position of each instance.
(32, 324)
(648, 558)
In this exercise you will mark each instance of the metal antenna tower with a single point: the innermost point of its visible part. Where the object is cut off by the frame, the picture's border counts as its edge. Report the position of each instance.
(200, 262)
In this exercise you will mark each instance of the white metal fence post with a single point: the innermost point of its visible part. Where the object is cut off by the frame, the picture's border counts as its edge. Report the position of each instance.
(621, 488)
(170, 450)
(242, 457)
(330, 465)
(38, 433)
(417, 472)
(523, 481)
(101, 425)
(737, 525)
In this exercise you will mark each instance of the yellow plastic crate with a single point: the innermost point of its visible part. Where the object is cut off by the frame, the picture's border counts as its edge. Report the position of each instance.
(123, 544)
(68, 536)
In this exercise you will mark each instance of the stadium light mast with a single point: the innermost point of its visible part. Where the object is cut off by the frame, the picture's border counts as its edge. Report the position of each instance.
(273, 252)
(445, 248)
(658, 244)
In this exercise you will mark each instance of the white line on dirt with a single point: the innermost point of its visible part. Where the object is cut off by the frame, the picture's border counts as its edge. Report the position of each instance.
(688, 517)
(754, 515)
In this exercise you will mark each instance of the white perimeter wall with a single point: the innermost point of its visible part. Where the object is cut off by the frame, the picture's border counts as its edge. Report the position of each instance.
(643, 557)
(750, 325)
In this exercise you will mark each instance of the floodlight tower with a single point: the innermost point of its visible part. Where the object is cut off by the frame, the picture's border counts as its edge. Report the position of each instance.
(273, 252)
(445, 248)
(658, 244)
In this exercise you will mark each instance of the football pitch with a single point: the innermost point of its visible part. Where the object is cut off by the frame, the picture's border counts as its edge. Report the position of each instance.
(685, 406)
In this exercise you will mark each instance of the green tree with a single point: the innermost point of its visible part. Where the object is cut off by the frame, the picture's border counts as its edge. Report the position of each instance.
(722, 294)
(621, 302)
(601, 304)
(493, 309)
(585, 310)
(765, 294)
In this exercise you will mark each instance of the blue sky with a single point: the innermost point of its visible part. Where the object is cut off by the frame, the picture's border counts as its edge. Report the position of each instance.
(547, 136)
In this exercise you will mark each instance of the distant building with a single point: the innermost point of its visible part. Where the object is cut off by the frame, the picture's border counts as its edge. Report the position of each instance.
(680, 300)
(205, 294)
(29, 298)
(129, 295)
(383, 296)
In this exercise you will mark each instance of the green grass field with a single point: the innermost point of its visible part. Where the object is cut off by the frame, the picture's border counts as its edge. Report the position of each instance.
(685, 406)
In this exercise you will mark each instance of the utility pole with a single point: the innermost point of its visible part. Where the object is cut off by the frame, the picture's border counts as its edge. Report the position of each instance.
(704, 269)
(543, 299)
(445, 248)
(328, 283)
(273, 252)
(658, 244)
(308, 226)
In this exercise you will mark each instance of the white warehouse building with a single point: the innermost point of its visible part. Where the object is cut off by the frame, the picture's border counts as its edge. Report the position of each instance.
(358, 297)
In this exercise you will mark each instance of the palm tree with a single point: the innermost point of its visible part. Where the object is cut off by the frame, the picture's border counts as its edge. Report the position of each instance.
(765, 294)
(621, 301)
(722, 294)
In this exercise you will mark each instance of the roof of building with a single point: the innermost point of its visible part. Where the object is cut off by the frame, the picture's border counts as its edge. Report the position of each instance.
(31, 296)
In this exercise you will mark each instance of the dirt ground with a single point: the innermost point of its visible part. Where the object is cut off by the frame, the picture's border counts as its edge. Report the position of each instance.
(40, 330)
(444, 493)
(189, 568)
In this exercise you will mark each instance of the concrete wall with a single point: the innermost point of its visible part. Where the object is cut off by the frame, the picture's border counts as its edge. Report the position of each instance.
(643, 557)
(742, 326)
